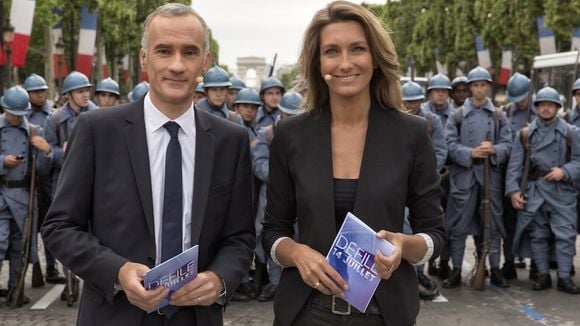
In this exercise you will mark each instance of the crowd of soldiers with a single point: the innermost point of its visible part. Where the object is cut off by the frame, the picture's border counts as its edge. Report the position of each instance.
(533, 153)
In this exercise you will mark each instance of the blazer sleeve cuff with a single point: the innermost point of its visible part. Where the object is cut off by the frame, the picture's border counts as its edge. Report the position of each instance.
(274, 247)
(430, 248)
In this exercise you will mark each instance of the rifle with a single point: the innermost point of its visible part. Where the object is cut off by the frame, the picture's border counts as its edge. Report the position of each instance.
(479, 279)
(526, 144)
(72, 288)
(272, 66)
(15, 297)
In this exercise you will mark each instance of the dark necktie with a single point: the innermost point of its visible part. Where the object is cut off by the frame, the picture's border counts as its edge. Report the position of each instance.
(171, 239)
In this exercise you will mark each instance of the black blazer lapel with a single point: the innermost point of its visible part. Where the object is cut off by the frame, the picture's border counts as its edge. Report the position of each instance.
(204, 156)
(135, 136)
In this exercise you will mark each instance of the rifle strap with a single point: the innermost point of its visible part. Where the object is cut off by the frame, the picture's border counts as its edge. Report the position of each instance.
(524, 139)
(429, 125)
(498, 121)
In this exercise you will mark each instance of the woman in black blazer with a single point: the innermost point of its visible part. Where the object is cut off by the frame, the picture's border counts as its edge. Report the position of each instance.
(353, 150)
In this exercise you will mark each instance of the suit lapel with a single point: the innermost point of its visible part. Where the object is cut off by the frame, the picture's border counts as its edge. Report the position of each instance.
(135, 136)
(204, 156)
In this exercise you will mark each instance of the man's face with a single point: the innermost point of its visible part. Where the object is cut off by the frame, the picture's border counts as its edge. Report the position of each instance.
(38, 98)
(197, 97)
(272, 97)
(547, 110)
(216, 96)
(174, 58)
(523, 104)
(231, 97)
(577, 97)
(439, 96)
(13, 120)
(479, 90)
(105, 100)
(412, 107)
(460, 93)
(80, 97)
(247, 111)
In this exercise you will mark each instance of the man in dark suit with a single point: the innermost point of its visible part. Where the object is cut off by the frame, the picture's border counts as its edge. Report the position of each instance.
(120, 208)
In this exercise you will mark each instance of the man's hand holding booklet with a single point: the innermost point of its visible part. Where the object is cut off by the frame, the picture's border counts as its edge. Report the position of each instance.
(352, 255)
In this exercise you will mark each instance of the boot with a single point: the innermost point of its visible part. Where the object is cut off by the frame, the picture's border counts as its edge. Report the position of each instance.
(53, 277)
(433, 270)
(566, 285)
(533, 271)
(444, 269)
(454, 279)
(509, 271)
(542, 282)
(497, 278)
(268, 293)
(427, 294)
(426, 282)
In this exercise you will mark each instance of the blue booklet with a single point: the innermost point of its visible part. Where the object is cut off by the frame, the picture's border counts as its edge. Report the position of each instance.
(172, 273)
(353, 256)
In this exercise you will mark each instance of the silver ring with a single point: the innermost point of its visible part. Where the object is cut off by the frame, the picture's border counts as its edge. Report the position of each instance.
(199, 300)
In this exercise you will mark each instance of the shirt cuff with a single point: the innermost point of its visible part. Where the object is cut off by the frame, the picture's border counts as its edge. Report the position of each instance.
(221, 299)
(274, 247)
(429, 253)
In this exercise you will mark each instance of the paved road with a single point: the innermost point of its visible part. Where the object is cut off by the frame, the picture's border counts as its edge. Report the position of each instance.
(517, 305)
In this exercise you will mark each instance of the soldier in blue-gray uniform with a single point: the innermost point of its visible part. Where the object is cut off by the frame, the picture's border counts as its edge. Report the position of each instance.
(107, 93)
(520, 111)
(412, 98)
(290, 105)
(438, 92)
(459, 91)
(477, 131)
(549, 203)
(215, 84)
(16, 151)
(573, 118)
(246, 105)
(271, 91)
(37, 90)
(138, 92)
(236, 86)
(199, 93)
(59, 127)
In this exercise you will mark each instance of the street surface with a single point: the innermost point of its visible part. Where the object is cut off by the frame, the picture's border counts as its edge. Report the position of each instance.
(517, 305)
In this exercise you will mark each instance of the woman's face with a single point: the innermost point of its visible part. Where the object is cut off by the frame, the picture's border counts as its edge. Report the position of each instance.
(346, 56)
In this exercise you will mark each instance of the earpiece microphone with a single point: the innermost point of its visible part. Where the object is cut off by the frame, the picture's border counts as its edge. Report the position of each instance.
(327, 77)
(199, 79)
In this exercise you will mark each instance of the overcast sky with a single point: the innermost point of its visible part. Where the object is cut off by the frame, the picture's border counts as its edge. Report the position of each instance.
(259, 27)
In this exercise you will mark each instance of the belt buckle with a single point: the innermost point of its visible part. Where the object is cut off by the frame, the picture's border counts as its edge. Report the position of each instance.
(338, 312)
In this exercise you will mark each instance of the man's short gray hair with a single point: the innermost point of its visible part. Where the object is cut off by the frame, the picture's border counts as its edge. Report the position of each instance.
(170, 10)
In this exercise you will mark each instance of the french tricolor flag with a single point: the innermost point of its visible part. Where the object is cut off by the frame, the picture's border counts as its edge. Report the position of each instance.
(575, 40)
(506, 67)
(21, 17)
(483, 57)
(441, 68)
(547, 39)
(104, 61)
(87, 38)
(57, 59)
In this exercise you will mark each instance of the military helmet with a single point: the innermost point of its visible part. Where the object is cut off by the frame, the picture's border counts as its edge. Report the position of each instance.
(216, 77)
(548, 94)
(458, 81)
(138, 91)
(108, 85)
(269, 83)
(291, 102)
(15, 101)
(478, 74)
(199, 88)
(439, 81)
(518, 87)
(576, 86)
(248, 96)
(237, 83)
(35, 82)
(412, 91)
(75, 80)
